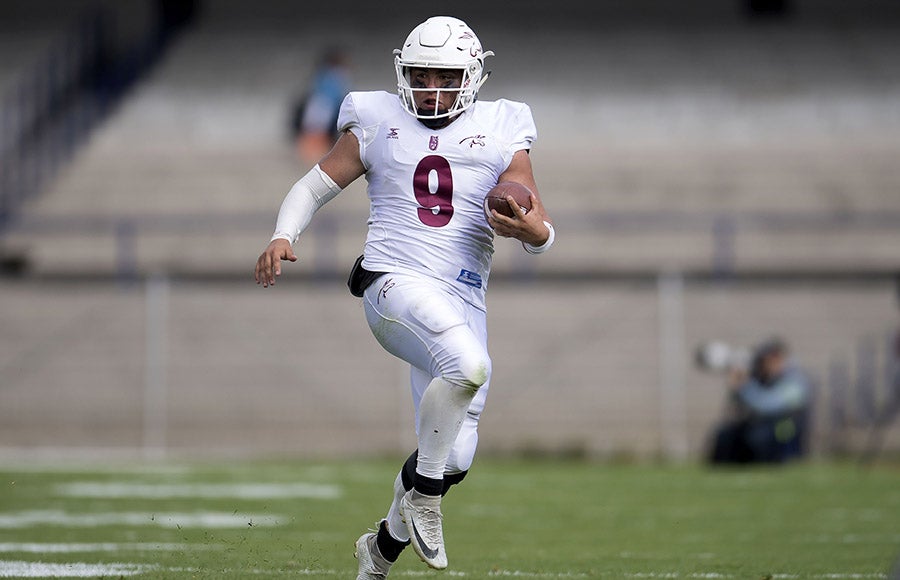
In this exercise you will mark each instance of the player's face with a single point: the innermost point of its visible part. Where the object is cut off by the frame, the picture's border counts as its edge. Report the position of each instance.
(430, 102)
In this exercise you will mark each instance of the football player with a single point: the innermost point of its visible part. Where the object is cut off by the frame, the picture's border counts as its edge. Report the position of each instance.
(429, 153)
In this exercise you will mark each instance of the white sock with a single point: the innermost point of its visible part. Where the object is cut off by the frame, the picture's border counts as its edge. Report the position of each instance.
(441, 413)
(396, 528)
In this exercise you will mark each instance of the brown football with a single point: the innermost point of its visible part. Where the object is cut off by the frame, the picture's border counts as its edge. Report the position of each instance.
(496, 198)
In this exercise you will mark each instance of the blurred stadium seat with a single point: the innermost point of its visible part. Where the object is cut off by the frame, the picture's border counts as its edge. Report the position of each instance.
(649, 136)
(685, 139)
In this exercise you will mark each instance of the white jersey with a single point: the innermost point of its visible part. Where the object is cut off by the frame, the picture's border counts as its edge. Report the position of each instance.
(426, 186)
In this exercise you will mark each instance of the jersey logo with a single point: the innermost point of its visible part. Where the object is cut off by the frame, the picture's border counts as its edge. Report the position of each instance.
(433, 143)
(393, 133)
(473, 140)
(469, 278)
(383, 291)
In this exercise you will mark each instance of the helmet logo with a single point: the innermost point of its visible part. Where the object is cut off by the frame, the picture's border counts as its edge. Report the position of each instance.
(433, 143)
(472, 44)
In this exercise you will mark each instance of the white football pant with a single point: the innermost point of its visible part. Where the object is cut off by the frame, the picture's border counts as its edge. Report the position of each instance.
(440, 336)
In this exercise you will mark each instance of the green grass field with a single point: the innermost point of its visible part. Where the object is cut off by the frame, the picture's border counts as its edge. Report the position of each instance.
(528, 519)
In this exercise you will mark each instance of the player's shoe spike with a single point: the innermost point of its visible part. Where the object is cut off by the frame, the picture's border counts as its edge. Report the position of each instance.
(423, 518)
(372, 565)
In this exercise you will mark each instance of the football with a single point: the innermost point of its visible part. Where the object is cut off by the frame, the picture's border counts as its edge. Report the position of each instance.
(496, 198)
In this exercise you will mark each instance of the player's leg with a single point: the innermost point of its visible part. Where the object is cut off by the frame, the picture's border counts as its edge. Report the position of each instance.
(393, 536)
(429, 329)
(463, 452)
(396, 527)
(422, 325)
(420, 508)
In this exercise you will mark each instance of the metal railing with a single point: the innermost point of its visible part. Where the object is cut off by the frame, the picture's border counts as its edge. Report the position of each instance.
(864, 393)
(724, 232)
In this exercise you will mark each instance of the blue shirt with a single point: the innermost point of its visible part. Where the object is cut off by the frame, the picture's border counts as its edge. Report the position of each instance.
(788, 393)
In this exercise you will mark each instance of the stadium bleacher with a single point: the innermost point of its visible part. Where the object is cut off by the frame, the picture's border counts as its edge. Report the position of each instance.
(798, 120)
(688, 146)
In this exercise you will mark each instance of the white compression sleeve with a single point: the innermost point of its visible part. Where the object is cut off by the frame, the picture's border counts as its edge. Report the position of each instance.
(311, 192)
(441, 414)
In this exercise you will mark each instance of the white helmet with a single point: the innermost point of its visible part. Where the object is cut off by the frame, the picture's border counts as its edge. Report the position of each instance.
(447, 43)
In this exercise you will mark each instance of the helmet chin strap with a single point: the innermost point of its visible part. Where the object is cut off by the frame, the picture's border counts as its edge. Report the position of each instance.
(438, 123)
(429, 120)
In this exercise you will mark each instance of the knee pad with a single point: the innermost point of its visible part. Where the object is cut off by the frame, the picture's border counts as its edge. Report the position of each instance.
(463, 452)
(475, 369)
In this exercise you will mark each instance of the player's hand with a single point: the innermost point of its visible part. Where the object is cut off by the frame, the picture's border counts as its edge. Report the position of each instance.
(525, 227)
(268, 266)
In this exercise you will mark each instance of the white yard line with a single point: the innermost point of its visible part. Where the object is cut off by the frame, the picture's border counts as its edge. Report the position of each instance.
(862, 538)
(836, 576)
(37, 548)
(691, 575)
(28, 519)
(121, 489)
(716, 575)
(13, 569)
(168, 470)
(521, 574)
(19, 569)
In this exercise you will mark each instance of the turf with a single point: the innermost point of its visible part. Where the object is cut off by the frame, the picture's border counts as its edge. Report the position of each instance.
(528, 519)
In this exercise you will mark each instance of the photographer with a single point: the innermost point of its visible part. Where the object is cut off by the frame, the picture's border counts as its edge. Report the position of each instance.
(769, 410)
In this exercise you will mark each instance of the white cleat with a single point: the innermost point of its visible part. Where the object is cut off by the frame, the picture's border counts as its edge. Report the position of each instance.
(372, 565)
(423, 518)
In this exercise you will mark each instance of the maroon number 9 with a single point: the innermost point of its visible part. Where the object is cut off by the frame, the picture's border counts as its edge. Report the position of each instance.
(436, 208)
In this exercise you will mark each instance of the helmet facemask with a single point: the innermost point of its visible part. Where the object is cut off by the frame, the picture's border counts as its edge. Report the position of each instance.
(465, 94)
(441, 43)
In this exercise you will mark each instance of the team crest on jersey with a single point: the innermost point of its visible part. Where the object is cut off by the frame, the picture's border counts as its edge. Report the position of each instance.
(473, 140)
(433, 143)
(393, 133)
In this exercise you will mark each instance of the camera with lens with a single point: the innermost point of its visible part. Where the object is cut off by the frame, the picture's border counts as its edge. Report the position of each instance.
(721, 357)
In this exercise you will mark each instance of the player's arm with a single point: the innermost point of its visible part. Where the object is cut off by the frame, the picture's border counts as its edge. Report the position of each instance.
(342, 163)
(532, 228)
(333, 173)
